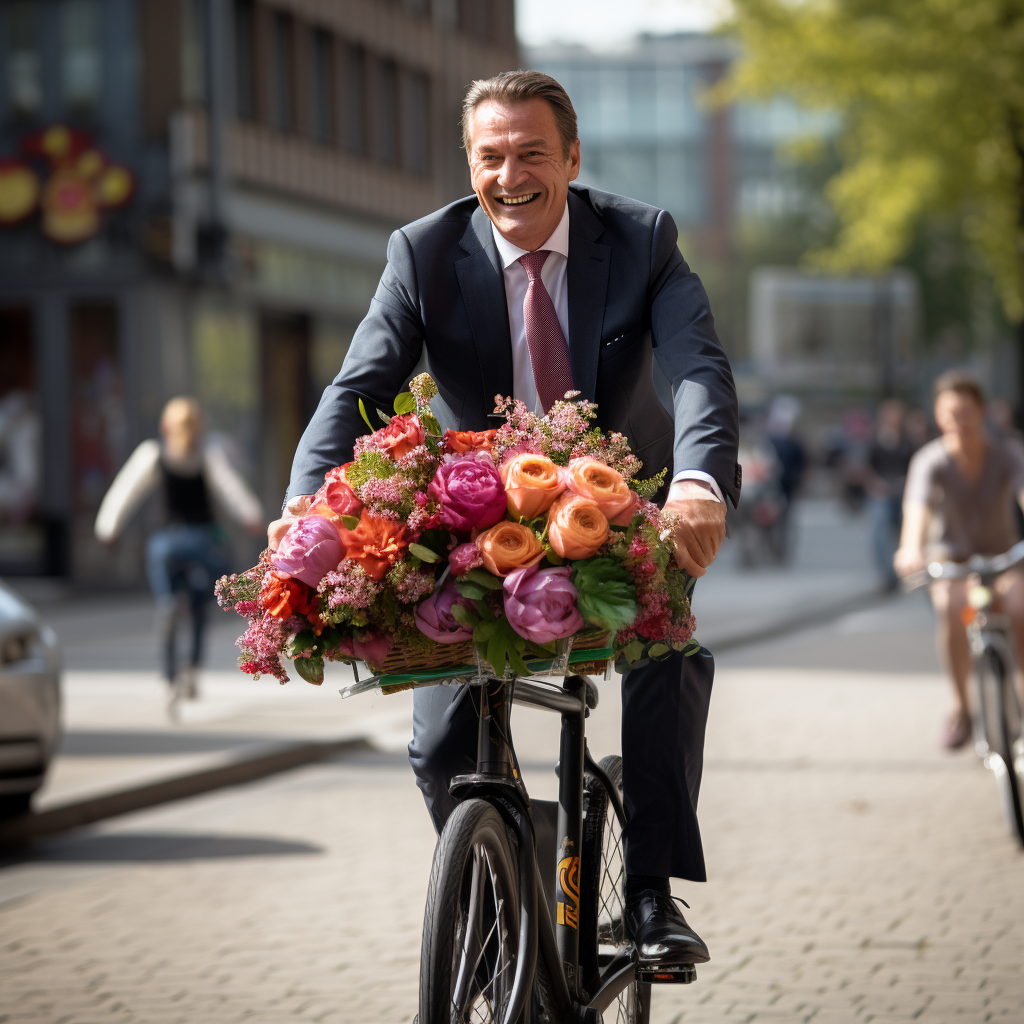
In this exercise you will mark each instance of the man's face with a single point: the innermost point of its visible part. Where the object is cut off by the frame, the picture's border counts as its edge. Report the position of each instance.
(519, 169)
(958, 413)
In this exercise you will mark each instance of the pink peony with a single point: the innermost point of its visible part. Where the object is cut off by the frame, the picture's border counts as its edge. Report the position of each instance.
(434, 616)
(469, 491)
(464, 557)
(541, 603)
(309, 550)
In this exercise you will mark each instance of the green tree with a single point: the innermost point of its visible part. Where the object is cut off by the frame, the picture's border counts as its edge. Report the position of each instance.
(932, 97)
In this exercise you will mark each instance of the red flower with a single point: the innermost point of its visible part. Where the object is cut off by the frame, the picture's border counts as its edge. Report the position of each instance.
(336, 494)
(400, 436)
(282, 596)
(375, 543)
(461, 441)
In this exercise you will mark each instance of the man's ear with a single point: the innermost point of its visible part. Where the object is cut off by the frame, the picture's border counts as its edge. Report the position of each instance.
(574, 161)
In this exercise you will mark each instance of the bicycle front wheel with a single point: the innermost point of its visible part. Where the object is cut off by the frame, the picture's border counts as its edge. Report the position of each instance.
(471, 924)
(1001, 723)
(603, 900)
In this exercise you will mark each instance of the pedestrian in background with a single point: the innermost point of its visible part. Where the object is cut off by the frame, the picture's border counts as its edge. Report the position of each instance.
(195, 478)
(888, 458)
(781, 431)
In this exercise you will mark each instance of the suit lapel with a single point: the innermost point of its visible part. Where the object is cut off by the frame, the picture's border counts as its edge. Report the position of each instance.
(483, 291)
(587, 287)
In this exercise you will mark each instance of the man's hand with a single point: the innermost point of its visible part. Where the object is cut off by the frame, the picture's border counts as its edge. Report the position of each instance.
(700, 529)
(908, 560)
(296, 508)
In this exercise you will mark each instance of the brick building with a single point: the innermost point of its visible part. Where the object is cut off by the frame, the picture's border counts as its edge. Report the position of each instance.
(196, 197)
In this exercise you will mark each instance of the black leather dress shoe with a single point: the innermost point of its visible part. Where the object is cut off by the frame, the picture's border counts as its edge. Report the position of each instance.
(660, 932)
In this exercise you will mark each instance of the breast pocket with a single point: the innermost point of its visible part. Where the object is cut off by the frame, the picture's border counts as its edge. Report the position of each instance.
(611, 347)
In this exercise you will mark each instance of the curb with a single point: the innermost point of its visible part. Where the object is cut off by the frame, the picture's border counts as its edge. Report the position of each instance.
(240, 767)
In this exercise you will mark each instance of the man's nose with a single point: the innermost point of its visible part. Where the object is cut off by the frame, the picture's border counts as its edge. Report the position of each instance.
(511, 173)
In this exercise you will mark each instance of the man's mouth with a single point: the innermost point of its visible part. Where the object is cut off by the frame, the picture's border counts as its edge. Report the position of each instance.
(517, 200)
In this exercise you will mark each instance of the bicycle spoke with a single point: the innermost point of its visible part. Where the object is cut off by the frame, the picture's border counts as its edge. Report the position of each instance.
(472, 928)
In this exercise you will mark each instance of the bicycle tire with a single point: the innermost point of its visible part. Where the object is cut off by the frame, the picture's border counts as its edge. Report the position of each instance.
(602, 895)
(474, 852)
(1000, 711)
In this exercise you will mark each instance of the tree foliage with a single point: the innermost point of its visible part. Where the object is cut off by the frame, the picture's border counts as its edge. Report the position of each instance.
(932, 97)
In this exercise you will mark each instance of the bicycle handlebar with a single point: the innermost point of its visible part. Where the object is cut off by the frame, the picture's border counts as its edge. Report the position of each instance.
(986, 566)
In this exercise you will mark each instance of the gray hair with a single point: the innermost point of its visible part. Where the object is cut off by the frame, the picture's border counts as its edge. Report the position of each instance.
(518, 87)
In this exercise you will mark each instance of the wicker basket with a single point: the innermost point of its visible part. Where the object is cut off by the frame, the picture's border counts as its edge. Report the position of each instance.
(405, 657)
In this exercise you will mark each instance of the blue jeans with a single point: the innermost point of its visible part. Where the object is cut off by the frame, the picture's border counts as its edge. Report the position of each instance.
(886, 520)
(183, 559)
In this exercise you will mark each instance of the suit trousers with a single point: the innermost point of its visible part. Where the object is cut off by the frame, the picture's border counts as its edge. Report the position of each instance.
(664, 714)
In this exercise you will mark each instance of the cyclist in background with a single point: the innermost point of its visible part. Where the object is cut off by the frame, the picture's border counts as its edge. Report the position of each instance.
(187, 554)
(958, 502)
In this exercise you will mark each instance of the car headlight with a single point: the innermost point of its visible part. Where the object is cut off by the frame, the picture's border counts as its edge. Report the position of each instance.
(19, 647)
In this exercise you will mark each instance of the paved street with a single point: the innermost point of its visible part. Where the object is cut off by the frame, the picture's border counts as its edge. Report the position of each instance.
(857, 874)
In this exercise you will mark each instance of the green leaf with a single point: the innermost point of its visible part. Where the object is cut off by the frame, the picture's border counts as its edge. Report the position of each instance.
(607, 593)
(384, 416)
(365, 415)
(484, 578)
(483, 631)
(310, 669)
(423, 553)
(658, 651)
(350, 522)
(467, 588)
(691, 648)
(633, 651)
(430, 425)
(405, 403)
(462, 614)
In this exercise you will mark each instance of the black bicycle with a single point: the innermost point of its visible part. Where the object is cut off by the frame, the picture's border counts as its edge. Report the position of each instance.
(524, 921)
(998, 715)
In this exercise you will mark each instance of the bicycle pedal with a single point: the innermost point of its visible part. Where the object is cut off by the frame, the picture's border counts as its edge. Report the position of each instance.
(674, 974)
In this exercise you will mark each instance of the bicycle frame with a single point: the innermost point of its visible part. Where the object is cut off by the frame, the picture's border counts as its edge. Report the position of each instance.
(498, 779)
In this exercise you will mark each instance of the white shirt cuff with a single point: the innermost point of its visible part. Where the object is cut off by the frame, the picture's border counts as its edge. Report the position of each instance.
(697, 474)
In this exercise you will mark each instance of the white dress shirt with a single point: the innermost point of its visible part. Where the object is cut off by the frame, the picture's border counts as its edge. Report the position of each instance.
(553, 275)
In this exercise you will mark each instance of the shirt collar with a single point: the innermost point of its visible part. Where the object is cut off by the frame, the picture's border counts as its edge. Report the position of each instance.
(558, 242)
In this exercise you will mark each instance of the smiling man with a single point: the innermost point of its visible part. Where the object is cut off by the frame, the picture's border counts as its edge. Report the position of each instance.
(531, 287)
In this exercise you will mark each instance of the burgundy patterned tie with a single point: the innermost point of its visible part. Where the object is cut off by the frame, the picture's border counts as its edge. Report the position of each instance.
(549, 354)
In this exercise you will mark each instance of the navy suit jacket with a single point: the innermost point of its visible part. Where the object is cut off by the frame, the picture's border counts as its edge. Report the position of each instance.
(631, 297)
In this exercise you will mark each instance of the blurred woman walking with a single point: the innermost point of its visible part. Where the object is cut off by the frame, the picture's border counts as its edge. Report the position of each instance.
(186, 556)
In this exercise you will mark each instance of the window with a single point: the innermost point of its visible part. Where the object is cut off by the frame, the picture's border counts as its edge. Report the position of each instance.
(385, 129)
(354, 105)
(283, 76)
(24, 75)
(81, 58)
(245, 92)
(415, 108)
(320, 91)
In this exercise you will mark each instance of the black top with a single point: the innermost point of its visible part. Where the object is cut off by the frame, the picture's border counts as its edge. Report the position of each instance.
(186, 497)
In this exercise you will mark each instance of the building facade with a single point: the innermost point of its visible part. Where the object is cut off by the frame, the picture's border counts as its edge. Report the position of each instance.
(196, 197)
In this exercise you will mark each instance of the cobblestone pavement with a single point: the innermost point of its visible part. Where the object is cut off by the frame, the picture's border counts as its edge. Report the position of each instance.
(856, 873)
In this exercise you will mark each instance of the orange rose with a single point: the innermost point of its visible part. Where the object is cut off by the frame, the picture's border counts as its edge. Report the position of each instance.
(376, 544)
(508, 546)
(576, 526)
(461, 441)
(532, 482)
(601, 484)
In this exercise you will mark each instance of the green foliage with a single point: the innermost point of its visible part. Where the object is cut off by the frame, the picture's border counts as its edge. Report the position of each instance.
(607, 593)
(369, 465)
(405, 403)
(310, 669)
(365, 415)
(650, 486)
(424, 554)
(932, 97)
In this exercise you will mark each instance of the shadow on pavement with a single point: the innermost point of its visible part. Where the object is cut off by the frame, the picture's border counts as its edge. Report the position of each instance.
(120, 743)
(139, 847)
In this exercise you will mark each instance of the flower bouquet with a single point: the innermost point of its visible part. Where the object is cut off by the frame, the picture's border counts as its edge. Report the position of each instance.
(429, 544)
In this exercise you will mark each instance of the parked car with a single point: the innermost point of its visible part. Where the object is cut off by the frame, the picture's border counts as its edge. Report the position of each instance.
(30, 667)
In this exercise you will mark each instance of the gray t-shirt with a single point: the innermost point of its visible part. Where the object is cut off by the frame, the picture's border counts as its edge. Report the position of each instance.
(969, 518)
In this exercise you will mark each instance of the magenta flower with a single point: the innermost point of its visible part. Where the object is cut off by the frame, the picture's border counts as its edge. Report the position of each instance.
(309, 551)
(470, 492)
(373, 649)
(541, 603)
(464, 557)
(434, 616)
